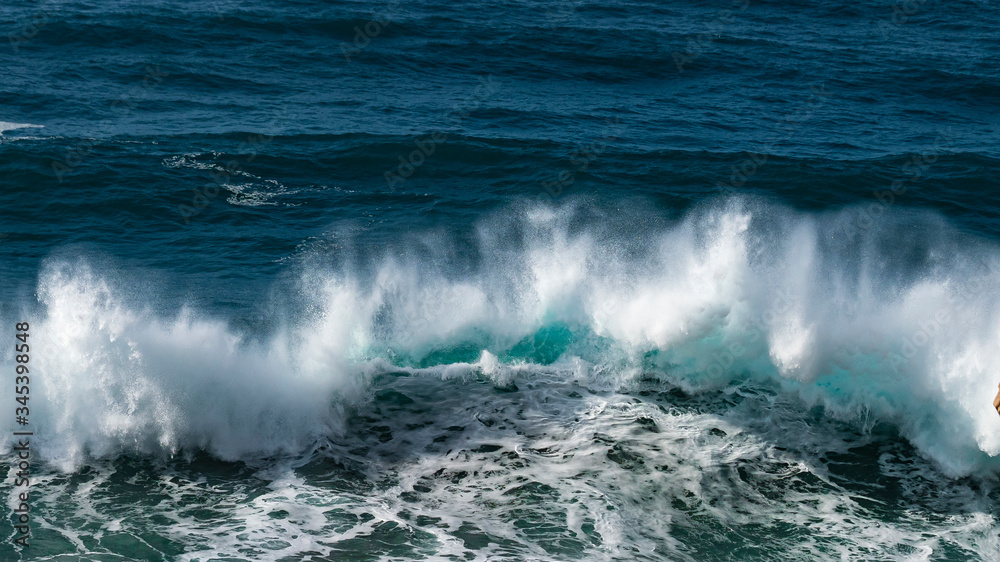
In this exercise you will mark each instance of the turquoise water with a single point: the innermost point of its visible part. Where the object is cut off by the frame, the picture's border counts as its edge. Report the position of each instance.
(522, 281)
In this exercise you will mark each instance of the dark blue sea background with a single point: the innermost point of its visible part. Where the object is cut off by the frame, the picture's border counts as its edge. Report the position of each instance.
(527, 280)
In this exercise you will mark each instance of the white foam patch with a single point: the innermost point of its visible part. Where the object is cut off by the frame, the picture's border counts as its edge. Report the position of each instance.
(256, 192)
(7, 126)
(552, 470)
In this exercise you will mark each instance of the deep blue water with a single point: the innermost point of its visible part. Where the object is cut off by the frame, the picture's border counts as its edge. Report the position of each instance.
(706, 280)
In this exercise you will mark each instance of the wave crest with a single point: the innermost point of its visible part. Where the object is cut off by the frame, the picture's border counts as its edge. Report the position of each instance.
(897, 322)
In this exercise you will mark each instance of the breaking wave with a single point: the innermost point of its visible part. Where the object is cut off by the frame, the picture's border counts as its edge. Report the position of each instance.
(890, 318)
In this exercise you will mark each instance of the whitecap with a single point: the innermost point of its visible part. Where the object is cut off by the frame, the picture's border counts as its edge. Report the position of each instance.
(7, 126)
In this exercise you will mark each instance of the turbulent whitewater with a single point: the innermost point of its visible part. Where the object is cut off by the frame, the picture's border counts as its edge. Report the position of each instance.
(546, 280)
(729, 294)
(595, 370)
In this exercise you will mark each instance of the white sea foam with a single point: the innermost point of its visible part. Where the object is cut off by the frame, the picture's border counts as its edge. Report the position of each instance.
(7, 126)
(256, 192)
(885, 323)
(554, 465)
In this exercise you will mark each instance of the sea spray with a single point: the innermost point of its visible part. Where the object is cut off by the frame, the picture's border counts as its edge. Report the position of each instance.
(918, 351)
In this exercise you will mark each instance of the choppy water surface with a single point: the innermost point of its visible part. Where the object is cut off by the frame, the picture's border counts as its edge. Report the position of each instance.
(536, 280)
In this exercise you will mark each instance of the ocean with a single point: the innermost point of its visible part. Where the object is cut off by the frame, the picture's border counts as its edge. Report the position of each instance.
(528, 280)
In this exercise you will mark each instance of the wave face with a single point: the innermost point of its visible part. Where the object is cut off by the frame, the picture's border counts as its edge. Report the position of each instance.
(894, 323)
